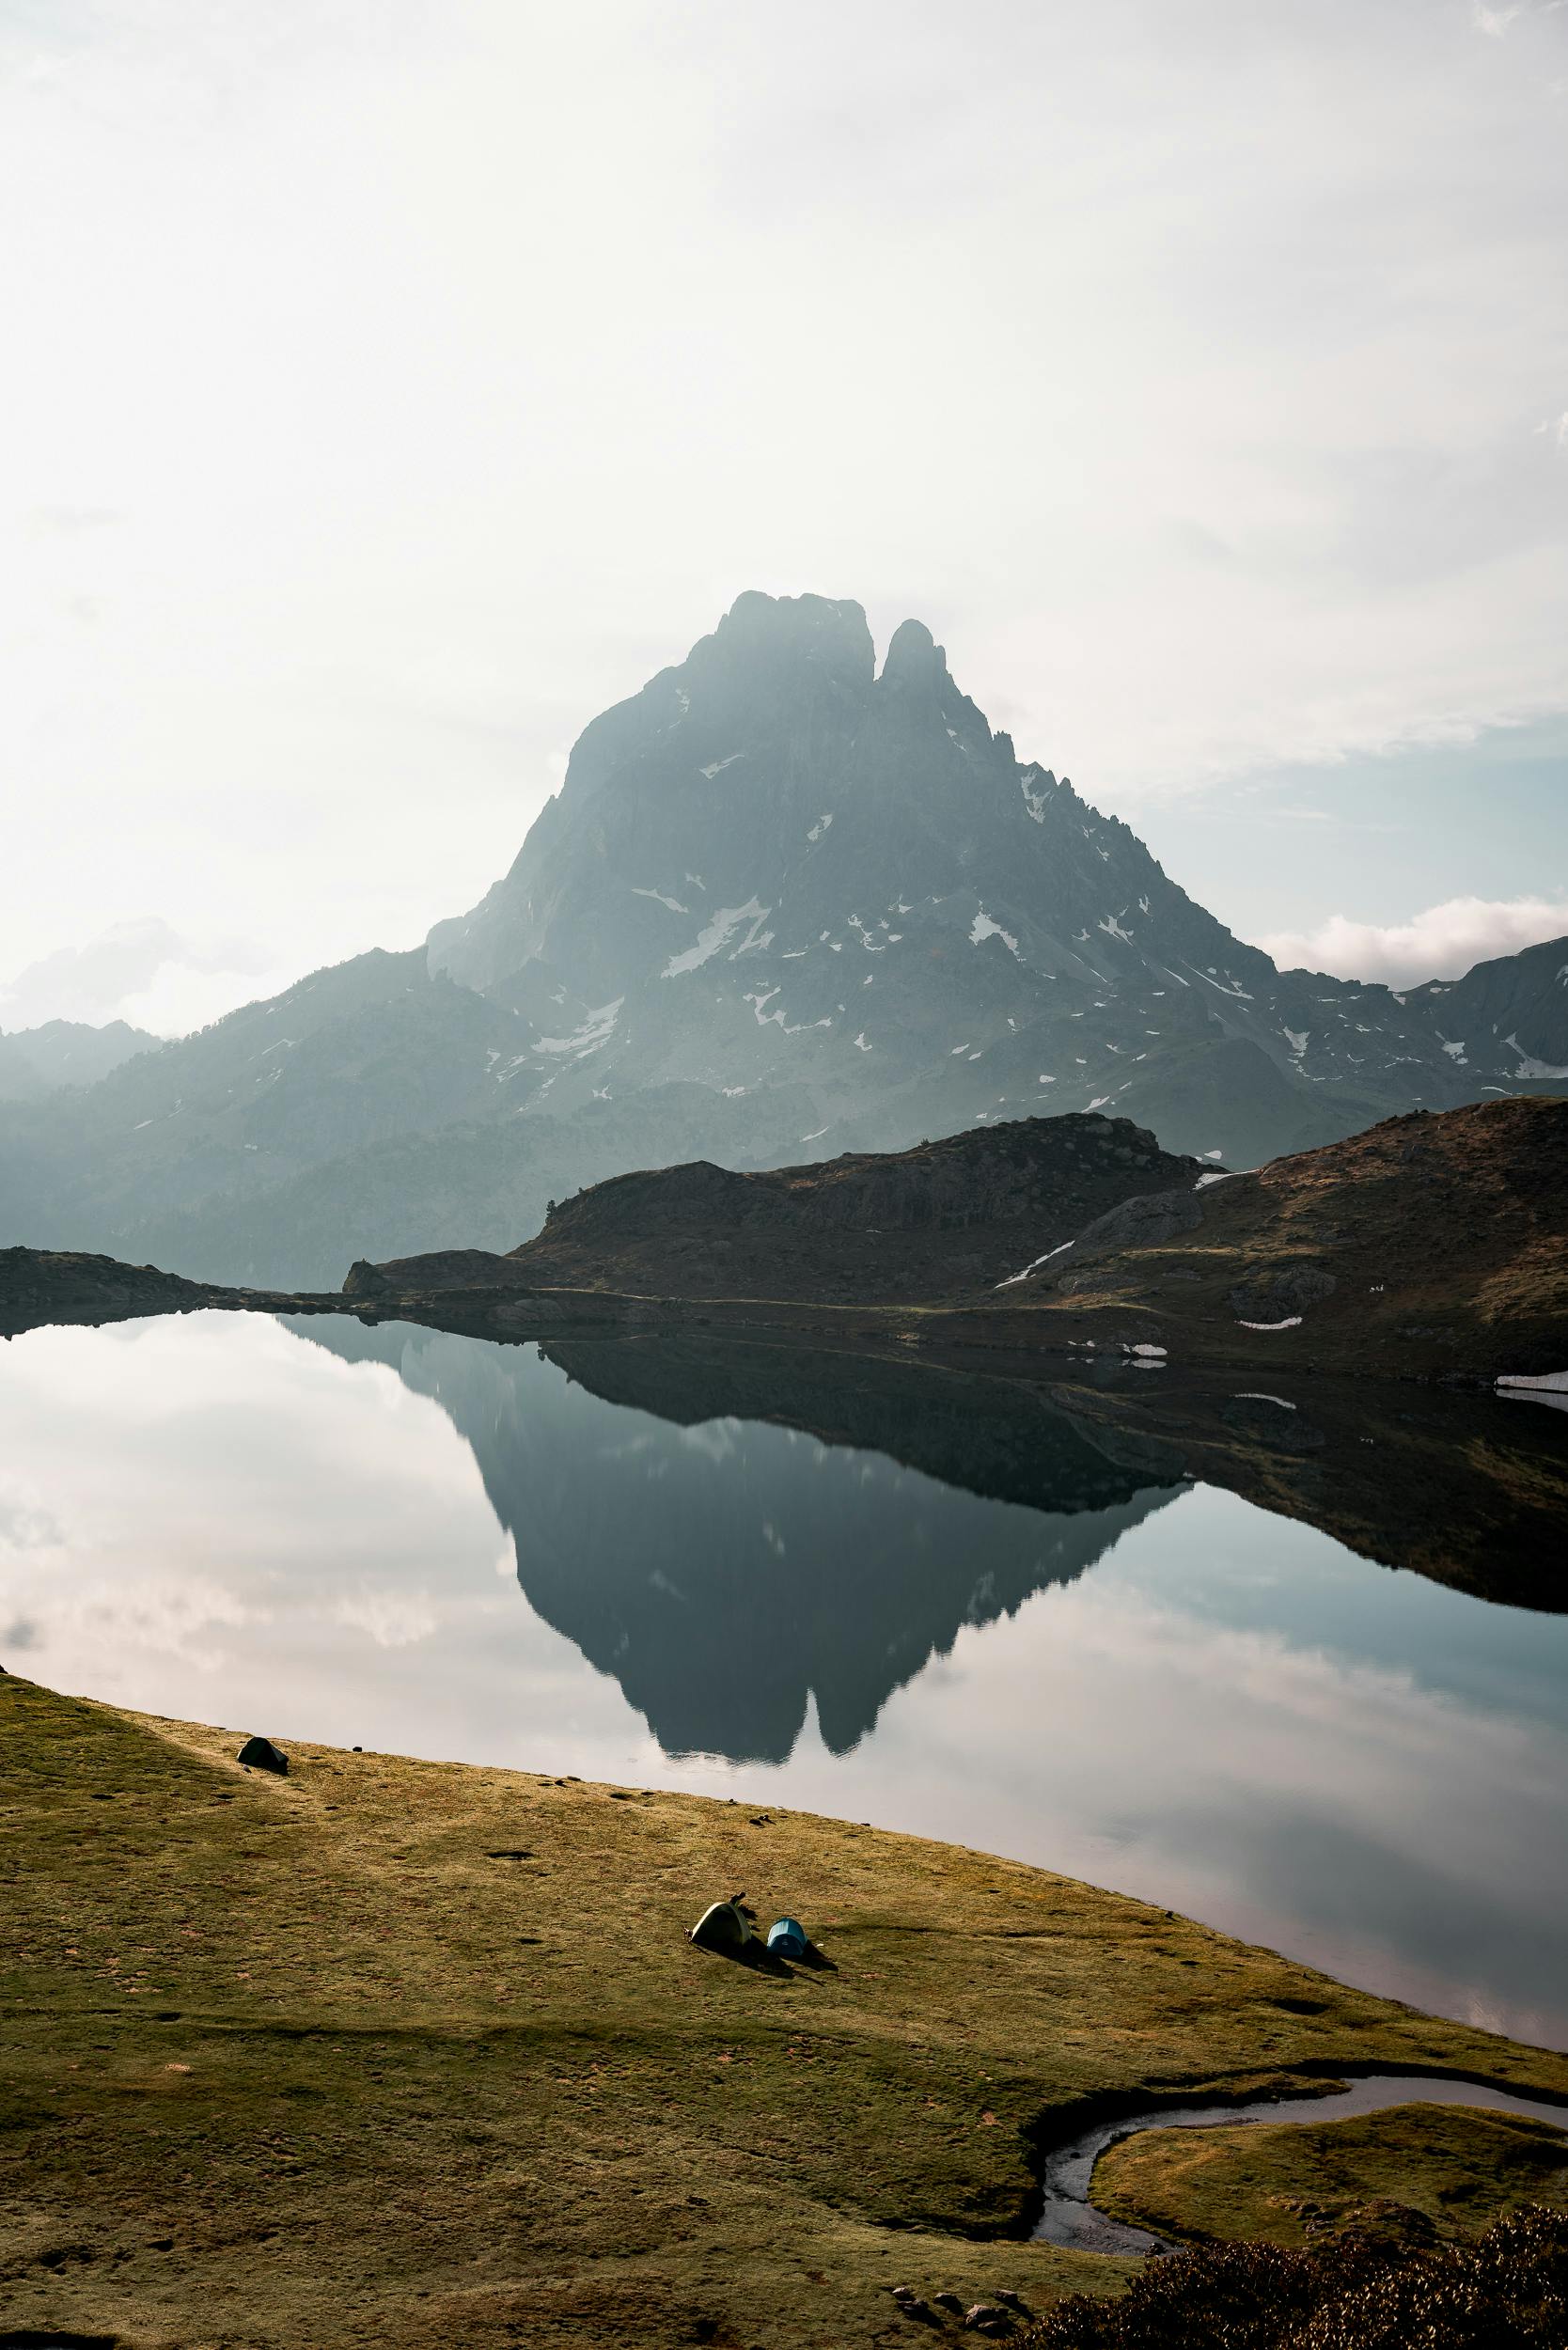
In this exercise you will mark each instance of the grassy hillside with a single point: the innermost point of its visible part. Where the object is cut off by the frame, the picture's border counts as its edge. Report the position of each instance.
(1461, 2171)
(414, 2054)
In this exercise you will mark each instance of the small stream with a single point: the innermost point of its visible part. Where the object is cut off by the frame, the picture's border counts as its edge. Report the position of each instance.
(1069, 2217)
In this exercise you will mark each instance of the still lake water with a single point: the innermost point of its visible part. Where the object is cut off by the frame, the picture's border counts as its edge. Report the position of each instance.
(418, 1542)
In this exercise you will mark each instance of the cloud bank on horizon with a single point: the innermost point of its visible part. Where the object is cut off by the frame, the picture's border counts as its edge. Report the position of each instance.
(401, 391)
(146, 973)
(1442, 943)
(143, 972)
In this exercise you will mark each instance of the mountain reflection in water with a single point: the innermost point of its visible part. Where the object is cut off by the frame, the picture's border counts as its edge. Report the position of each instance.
(723, 1578)
(1030, 1617)
(726, 1577)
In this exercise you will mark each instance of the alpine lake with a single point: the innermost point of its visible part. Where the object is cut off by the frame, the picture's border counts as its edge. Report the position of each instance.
(1041, 1621)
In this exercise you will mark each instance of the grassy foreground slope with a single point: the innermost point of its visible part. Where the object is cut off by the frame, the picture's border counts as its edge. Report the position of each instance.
(416, 2054)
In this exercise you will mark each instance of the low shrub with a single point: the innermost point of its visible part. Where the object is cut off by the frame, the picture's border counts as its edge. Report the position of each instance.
(1367, 2287)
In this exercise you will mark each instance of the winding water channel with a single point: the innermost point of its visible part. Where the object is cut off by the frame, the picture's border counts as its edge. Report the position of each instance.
(1069, 2217)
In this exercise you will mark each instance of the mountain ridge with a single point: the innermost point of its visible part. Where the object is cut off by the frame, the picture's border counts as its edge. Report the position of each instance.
(37, 1061)
(783, 898)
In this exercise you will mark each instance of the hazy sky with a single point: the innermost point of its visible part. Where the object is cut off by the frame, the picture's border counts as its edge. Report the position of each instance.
(390, 387)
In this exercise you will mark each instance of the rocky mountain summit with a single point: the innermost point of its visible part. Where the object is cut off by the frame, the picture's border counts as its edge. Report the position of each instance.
(778, 865)
(785, 903)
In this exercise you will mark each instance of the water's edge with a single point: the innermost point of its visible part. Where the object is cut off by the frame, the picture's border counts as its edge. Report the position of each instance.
(1068, 2216)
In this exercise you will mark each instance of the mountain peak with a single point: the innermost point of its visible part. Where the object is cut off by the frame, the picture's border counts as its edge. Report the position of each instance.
(775, 872)
(914, 657)
(815, 627)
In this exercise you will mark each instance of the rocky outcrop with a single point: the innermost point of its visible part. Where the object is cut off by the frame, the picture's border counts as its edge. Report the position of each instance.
(947, 1221)
(442, 1269)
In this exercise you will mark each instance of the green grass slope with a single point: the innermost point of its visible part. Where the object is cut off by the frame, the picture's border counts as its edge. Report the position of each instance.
(416, 2054)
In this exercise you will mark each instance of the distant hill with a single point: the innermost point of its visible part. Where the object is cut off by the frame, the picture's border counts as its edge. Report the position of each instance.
(781, 901)
(34, 1062)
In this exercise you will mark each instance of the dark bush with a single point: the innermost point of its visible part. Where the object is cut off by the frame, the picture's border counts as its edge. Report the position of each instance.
(1356, 2290)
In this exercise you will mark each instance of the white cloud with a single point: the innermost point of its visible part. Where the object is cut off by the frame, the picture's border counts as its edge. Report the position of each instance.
(1441, 944)
(392, 1619)
(143, 972)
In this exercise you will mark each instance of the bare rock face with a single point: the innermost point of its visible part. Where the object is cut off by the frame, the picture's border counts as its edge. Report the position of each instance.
(1144, 1221)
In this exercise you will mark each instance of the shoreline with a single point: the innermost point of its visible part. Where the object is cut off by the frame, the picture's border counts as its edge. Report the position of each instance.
(1053, 1337)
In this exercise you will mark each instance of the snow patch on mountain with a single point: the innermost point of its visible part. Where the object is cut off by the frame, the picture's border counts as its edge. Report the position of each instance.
(765, 1018)
(1529, 1065)
(1235, 988)
(983, 928)
(1013, 1278)
(716, 935)
(596, 1030)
